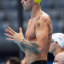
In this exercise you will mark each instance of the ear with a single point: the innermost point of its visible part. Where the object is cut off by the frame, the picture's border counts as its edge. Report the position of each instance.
(20, 30)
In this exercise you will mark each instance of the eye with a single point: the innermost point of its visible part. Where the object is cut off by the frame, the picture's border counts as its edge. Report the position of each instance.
(55, 61)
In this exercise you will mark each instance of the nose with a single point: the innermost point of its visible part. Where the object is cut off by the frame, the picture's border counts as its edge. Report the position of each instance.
(22, 1)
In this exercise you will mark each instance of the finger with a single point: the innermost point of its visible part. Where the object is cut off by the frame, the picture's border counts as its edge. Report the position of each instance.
(11, 30)
(7, 31)
(20, 30)
(9, 39)
(8, 35)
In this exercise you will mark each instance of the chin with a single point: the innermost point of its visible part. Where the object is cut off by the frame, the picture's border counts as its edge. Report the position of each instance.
(27, 9)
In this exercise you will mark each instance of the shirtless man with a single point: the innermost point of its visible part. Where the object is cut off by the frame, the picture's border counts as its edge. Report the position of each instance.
(37, 39)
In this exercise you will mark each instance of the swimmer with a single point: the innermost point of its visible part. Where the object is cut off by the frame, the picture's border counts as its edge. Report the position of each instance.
(57, 43)
(59, 59)
(37, 38)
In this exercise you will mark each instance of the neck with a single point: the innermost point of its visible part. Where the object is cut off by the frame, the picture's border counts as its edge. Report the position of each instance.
(35, 10)
(59, 50)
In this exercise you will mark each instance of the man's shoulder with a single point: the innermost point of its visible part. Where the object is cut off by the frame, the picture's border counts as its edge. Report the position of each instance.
(45, 16)
(29, 20)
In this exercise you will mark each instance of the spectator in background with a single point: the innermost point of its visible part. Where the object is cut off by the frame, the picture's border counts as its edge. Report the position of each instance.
(59, 59)
(23, 61)
(57, 43)
(13, 60)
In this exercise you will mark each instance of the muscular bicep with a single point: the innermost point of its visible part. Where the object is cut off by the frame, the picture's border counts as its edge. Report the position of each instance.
(41, 31)
(42, 34)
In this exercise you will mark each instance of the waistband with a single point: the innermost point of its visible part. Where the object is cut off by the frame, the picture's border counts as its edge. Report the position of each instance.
(40, 62)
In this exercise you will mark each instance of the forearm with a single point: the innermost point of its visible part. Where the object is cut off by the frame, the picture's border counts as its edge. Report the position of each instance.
(32, 46)
(22, 47)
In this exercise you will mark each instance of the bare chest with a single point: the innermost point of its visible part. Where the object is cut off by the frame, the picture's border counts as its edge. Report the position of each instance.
(30, 32)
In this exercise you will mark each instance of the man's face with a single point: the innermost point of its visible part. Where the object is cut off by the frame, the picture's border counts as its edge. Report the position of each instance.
(52, 47)
(27, 4)
(58, 60)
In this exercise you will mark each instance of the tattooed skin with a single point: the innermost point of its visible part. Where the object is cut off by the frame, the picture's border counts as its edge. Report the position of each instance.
(37, 41)
(32, 46)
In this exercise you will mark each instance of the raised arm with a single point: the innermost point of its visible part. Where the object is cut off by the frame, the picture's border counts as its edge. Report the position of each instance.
(43, 36)
(43, 33)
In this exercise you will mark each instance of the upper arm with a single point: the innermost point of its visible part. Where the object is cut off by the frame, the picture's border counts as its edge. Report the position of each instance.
(43, 32)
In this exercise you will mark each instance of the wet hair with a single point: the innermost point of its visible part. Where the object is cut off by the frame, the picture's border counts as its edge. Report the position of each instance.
(13, 60)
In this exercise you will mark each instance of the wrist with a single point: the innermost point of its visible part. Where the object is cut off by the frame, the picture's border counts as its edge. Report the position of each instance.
(22, 39)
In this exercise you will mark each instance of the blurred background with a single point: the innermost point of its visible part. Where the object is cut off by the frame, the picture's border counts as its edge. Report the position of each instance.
(12, 14)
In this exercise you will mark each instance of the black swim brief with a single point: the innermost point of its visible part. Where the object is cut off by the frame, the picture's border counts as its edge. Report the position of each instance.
(40, 62)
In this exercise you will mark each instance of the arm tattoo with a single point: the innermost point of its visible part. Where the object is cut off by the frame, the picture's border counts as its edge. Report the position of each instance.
(32, 46)
(21, 47)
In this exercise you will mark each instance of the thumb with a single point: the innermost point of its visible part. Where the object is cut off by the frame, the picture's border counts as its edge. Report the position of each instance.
(20, 30)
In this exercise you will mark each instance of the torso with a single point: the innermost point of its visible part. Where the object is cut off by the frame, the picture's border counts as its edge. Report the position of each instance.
(30, 32)
(31, 36)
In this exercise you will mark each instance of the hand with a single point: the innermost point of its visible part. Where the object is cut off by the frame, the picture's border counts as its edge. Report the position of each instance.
(14, 35)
